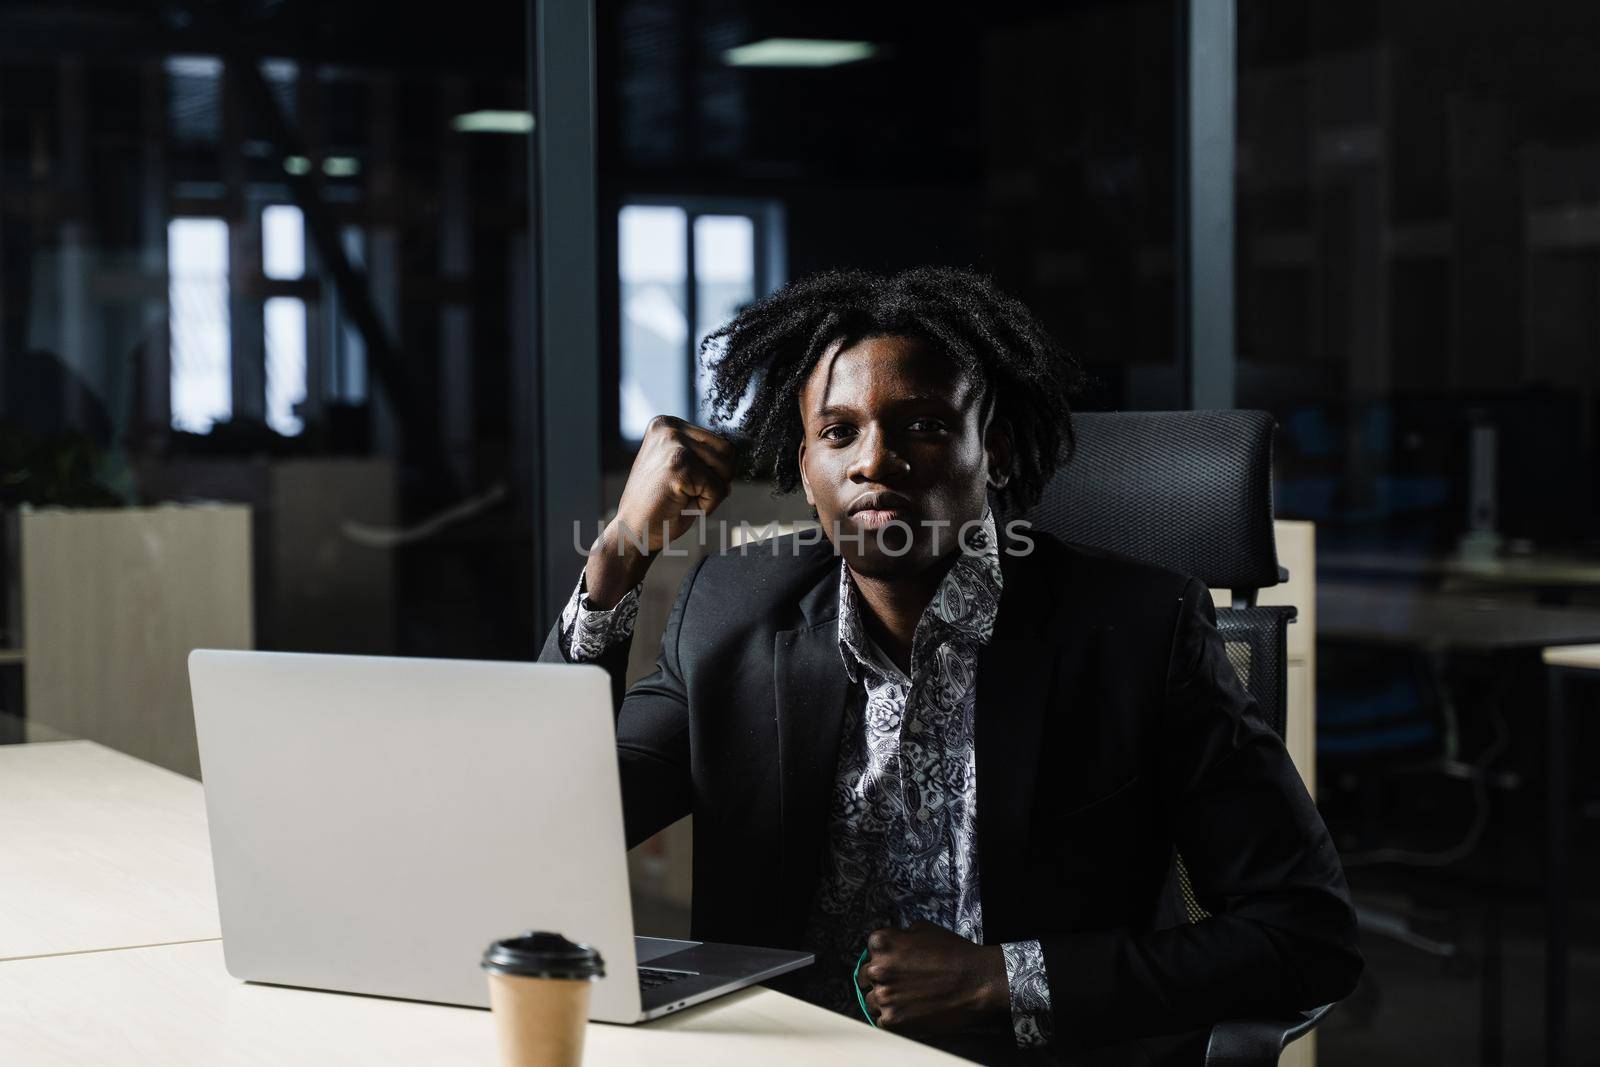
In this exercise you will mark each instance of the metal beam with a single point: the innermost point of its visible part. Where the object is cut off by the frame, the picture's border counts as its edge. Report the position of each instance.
(566, 232)
(1206, 146)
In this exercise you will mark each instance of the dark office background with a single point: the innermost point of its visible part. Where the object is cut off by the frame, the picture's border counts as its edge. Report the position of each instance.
(280, 254)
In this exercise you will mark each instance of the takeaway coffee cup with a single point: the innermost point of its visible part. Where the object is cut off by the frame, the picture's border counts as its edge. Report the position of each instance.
(539, 991)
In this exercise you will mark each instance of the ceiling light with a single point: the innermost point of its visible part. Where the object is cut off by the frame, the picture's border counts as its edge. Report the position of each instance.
(493, 122)
(297, 165)
(341, 166)
(798, 52)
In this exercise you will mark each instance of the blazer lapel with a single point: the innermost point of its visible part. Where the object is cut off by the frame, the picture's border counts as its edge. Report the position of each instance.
(1017, 673)
(811, 689)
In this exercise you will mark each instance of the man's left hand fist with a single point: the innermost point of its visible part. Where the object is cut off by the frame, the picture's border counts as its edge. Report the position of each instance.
(927, 980)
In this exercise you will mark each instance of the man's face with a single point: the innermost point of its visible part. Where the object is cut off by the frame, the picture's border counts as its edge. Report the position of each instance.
(890, 416)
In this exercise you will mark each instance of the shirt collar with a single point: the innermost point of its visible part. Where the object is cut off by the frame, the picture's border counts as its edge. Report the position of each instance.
(963, 608)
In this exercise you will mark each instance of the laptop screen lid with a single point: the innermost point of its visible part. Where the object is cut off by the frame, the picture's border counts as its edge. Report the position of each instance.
(376, 822)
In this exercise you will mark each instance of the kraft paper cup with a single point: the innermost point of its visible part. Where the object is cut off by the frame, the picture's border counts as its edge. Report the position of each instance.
(539, 993)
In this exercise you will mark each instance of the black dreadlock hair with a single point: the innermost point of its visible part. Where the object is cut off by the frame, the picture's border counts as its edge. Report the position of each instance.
(774, 343)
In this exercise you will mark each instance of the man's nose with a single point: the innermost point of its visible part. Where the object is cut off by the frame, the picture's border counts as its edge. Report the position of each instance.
(877, 460)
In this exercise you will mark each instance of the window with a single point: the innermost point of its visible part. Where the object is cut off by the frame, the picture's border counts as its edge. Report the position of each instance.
(685, 268)
(283, 258)
(285, 322)
(197, 317)
(655, 319)
(725, 280)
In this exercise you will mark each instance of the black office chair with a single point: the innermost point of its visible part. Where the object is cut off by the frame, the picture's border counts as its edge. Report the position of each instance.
(1192, 490)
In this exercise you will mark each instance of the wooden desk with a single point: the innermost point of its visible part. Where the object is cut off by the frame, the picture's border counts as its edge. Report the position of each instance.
(1574, 657)
(111, 954)
(1424, 619)
(99, 850)
(175, 1005)
(1544, 570)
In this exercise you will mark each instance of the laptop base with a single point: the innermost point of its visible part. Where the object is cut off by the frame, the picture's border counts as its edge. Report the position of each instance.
(674, 975)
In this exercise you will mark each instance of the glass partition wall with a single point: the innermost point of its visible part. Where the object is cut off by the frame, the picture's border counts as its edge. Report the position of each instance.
(266, 328)
(1418, 263)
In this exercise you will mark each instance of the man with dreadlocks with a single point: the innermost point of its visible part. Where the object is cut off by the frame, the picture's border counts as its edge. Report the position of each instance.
(952, 758)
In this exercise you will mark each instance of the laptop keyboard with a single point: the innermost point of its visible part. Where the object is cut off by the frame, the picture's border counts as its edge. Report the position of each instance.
(650, 978)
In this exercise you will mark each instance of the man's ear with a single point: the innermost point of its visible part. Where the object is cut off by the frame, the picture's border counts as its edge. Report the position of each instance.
(805, 483)
(997, 451)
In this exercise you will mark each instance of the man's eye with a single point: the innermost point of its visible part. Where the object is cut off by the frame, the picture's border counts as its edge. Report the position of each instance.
(829, 434)
(927, 423)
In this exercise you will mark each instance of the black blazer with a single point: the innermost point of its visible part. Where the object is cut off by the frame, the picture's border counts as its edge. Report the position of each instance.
(1110, 731)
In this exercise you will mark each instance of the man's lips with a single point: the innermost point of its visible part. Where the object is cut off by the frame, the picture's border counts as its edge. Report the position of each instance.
(875, 510)
(878, 500)
(877, 518)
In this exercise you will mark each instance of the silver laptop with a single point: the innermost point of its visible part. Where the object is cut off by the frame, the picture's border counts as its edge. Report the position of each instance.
(376, 822)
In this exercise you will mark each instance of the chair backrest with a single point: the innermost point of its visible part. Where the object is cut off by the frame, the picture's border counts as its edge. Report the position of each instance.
(1190, 490)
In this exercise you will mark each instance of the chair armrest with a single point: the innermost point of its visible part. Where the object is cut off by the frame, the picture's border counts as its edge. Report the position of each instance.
(1257, 1042)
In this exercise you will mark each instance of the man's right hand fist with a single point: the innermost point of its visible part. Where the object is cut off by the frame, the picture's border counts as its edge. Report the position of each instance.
(680, 467)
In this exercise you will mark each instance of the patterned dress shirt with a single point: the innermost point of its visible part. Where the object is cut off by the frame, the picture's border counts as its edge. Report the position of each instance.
(902, 827)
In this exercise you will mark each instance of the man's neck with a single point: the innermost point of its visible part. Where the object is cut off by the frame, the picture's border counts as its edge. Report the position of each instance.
(890, 608)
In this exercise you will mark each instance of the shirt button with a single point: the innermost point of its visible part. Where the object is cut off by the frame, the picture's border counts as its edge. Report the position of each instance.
(924, 815)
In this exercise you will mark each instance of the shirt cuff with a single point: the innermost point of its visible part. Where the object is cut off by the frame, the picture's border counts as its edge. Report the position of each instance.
(1030, 993)
(587, 632)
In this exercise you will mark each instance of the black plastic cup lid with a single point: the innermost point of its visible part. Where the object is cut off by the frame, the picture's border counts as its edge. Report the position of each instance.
(538, 954)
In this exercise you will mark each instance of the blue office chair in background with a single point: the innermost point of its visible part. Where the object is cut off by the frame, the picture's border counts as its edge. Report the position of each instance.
(1192, 490)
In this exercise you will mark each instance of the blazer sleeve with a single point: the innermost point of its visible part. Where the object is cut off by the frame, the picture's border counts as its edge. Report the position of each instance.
(652, 719)
(1282, 933)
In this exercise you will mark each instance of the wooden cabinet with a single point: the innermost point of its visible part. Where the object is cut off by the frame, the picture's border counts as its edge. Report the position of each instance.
(113, 601)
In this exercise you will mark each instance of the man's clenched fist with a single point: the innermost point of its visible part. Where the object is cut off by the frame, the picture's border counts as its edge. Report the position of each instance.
(927, 980)
(680, 468)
